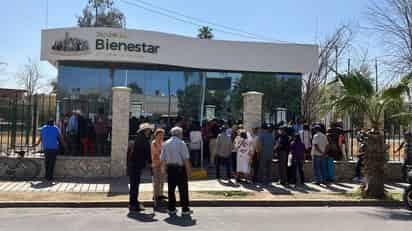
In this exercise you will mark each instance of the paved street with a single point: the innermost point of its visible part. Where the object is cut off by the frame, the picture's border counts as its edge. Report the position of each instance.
(278, 218)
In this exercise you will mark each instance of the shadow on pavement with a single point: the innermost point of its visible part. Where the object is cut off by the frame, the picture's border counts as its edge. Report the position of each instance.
(43, 184)
(253, 187)
(276, 190)
(142, 217)
(183, 221)
(392, 214)
(228, 184)
(345, 186)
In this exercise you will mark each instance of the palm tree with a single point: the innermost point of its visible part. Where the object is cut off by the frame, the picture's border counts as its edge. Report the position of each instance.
(205, 32)
(357, 94)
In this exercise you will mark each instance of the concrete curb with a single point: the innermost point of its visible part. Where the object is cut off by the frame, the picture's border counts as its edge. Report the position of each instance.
(205, 203)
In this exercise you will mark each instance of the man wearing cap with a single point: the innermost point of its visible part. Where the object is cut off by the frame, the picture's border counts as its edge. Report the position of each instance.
(140, 157)
(176, 161)
(51, 138)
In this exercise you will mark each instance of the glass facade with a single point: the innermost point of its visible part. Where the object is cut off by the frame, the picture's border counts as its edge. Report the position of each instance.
(162, 94)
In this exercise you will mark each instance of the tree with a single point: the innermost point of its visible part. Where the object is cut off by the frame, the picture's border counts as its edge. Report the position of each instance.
(135, 88)
(101, 13)
(278, 92)
(358, 94)
(392, 19)
(330, 51)
(205, 32)
(30, 77)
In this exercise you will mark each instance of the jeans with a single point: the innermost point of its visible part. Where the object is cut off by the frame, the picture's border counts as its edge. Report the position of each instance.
(299, 165)
(283, 164)
(359, 165)
(195, 158)
(225, 161)
(134, 180)
(177, 176)
(330, 172)
(255, 168)
(234, 161)
(319, 169)
(265, 166)
(50, 161)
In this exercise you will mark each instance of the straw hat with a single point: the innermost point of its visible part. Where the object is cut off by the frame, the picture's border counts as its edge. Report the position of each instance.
(145, 126)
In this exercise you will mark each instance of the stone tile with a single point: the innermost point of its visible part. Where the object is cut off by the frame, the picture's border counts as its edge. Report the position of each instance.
(10, 187)
(84, 187)
(4, 185)
(92, 188)
(77, 187)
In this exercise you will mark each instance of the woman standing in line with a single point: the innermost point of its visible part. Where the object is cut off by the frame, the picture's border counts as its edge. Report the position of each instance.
(243, 146)
(158, 178)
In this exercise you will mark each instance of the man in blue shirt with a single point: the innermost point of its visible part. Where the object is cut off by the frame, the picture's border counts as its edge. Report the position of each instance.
(51, 138)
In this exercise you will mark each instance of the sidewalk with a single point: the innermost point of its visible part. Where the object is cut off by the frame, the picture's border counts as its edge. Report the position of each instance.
(114, 193)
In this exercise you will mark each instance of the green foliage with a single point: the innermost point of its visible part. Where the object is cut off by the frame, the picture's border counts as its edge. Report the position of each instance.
(136, 89)
(189, 101)
(357, 94)
(101, 13)
(205, 32)
(278, 92)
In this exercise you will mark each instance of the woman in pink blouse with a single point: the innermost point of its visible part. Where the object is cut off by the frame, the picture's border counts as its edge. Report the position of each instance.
(158, 178)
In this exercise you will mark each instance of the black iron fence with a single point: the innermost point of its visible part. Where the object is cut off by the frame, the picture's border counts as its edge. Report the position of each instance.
(21, 118)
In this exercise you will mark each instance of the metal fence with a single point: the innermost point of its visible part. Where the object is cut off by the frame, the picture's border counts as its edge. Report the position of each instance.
(21, 118)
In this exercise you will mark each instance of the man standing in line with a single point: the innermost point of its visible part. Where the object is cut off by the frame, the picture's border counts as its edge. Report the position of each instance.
(264, 149)
(51, 138)
(176, 161)
(282, 150)
(140, 157)
(319, 144)
(223, 152)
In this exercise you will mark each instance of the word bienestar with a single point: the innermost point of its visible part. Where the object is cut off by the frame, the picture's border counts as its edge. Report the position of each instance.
(102, 44)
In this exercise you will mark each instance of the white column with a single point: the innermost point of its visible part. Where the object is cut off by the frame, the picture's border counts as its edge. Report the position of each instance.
(120, 130)
(252, 109)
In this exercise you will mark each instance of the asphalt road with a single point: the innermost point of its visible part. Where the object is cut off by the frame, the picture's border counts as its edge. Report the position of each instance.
(287, 219)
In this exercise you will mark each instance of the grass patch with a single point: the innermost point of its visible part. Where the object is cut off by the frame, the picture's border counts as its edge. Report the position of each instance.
(228, 193)
(389, 196)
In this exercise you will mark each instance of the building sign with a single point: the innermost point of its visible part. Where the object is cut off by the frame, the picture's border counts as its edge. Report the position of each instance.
(137, 46)
(111, 42)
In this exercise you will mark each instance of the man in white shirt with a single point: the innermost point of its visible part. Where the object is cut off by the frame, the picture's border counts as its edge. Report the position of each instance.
(319, 144)
(175, 158)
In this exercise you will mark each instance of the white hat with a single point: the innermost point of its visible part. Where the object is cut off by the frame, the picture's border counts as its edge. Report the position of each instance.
(145, 126)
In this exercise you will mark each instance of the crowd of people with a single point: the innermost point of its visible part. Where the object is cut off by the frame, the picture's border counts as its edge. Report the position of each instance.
(84, 135)
(248, 155)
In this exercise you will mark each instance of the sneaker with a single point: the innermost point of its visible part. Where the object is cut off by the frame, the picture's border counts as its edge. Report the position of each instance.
(172, 213)
(136, 208)
(187, 213)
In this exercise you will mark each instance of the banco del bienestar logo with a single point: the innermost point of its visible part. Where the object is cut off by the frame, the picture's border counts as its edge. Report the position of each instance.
(70, 46)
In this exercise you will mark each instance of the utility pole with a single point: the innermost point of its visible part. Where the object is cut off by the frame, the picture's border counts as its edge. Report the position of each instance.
(169, 102)
(376, 74)
(47, 14)
(348, 66)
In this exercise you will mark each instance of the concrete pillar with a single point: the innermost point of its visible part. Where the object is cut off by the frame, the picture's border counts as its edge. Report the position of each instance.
(120, 130)
(252, 109)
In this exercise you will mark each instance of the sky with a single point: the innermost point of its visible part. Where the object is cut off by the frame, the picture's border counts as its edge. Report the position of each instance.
(298, 21)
